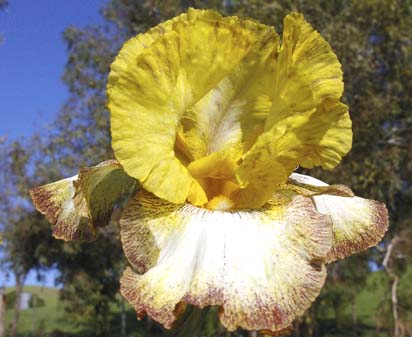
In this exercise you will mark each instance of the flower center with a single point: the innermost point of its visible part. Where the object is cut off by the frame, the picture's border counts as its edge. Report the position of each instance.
(220, 203)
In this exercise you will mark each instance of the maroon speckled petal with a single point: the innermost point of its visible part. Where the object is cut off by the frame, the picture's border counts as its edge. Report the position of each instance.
(262, 267)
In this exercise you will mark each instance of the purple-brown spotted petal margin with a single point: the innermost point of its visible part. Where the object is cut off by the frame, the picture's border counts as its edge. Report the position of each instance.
(357, 223)
(262, 267)
(77, 205)
(68, 212)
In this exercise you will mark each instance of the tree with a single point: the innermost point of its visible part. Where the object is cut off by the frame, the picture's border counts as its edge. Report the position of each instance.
(3, 5)
(2, 312)
(24, 229)
(396, 262)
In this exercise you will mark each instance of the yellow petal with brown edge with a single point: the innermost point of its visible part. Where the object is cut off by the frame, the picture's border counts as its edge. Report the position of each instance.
(148, 99)
(77, 205)
(319, 137)
(357, 223)
(262, 267)
(307, 72)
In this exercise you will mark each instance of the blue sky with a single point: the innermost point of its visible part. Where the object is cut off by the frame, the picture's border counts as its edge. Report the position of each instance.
(32, 59)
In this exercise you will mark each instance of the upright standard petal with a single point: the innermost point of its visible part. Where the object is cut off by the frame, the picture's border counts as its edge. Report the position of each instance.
(148, 99)
(263, 268)
(133, 47)
(225, 118)
(306, 124)
(241, 99)
(78, 204)
(307, 72)
(357, 223)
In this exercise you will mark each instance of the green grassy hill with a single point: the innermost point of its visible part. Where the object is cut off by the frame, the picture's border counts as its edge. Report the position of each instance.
(369, 303)
(51, 320)
(47, 318)
(51, 317)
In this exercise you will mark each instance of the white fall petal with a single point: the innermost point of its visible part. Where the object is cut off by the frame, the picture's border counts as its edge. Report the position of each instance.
(263, 267)
(64, 208)
(79, 204)
(357, 223)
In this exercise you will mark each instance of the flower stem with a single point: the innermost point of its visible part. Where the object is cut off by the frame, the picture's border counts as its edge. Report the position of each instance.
(189, 324)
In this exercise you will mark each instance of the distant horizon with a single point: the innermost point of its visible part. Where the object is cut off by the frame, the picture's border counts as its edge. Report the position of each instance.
(31, 280)
(33, 286)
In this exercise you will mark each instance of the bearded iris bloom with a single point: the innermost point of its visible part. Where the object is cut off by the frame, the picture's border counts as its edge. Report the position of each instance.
(210, 116)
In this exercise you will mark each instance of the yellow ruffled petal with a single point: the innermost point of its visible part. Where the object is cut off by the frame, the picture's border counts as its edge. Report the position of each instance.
(78, 204)
(224, 120)
(217, 165)
(133, 47)
(262, 267)
(307, 72)
(357, 223)
(148, 99)
(258, 179)
(326, 138)
(178, 103)
(306, 125)
(321, 137)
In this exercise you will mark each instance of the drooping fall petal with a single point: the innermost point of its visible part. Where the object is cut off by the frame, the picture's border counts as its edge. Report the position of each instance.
(263, 267)
(67, 211)
(77, 205)
(357, 223)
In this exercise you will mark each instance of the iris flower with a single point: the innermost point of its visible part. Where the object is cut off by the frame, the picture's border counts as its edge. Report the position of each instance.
(210, 116)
